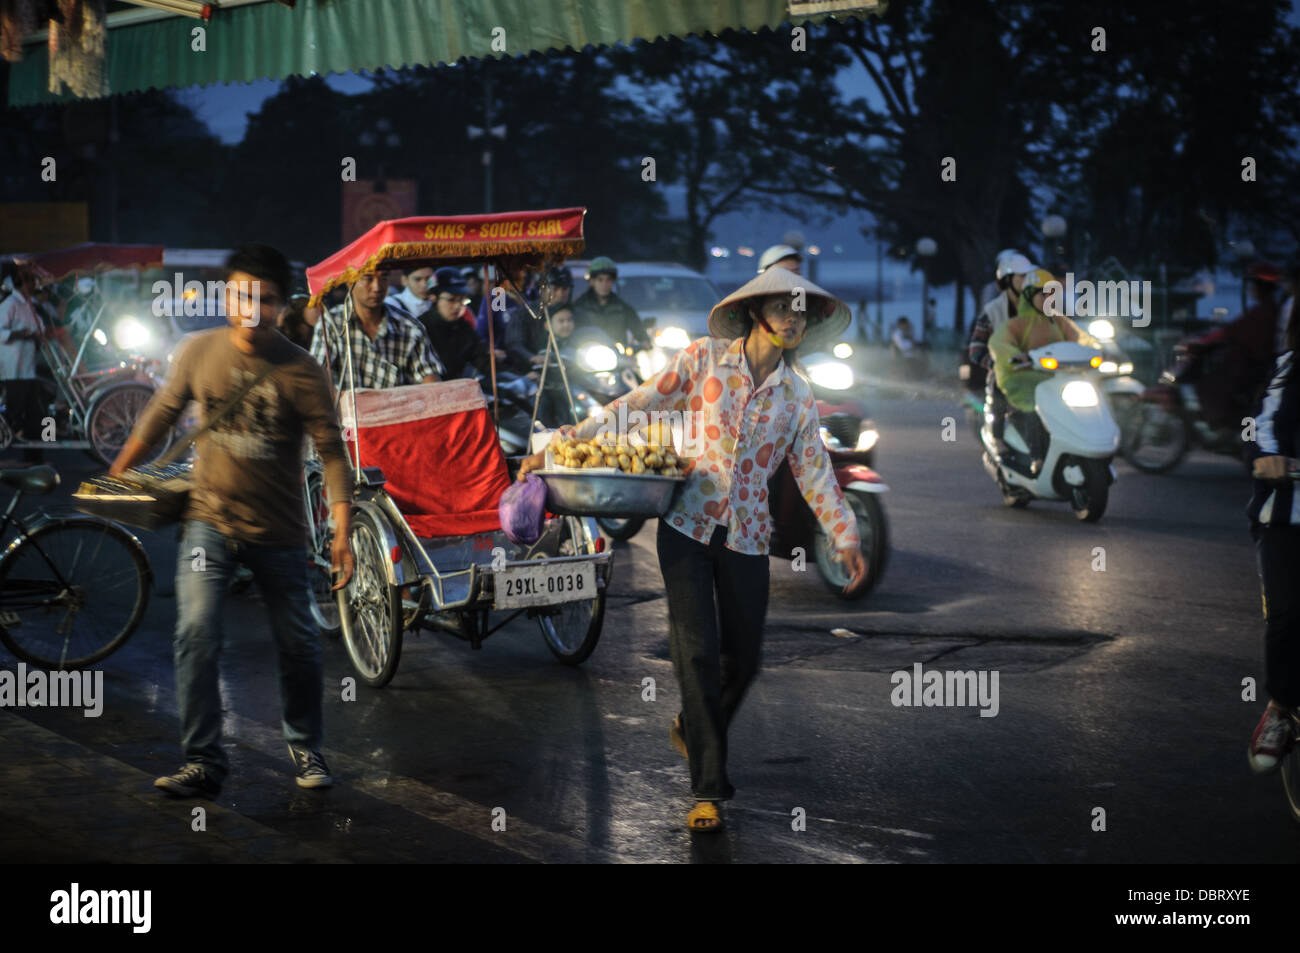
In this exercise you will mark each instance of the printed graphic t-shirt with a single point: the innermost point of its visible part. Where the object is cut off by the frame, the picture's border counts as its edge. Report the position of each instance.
(249, 472)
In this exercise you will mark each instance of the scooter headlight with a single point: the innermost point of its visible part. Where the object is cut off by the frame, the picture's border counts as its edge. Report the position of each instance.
(843, 351)
(1079, 394)
(1108, 367)
(673, 337)
(1102, 330)
(1126, 367)
(598, 357)
(867, 439)
(130, 334)
(832, 375)
(651, 362)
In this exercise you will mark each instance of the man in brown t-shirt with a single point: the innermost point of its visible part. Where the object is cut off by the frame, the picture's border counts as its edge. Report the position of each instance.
(247, 506)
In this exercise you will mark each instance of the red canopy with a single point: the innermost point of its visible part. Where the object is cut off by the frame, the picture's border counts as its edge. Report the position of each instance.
(92, 256)
(513, 238)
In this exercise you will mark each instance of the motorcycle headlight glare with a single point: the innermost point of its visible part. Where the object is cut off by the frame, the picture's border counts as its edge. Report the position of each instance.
(651, 362)
(843, 351)
(831, 375)
(1079, 394)
(1102, 330)
(673, 337)
(598, 357)
(867, 439)
(1108, 367)
(1126, 367)
(130, 335)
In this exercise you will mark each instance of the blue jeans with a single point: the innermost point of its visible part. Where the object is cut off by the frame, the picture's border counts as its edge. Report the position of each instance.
(281, 576)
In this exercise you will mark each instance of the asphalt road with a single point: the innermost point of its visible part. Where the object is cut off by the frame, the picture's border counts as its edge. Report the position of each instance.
(1118, 689)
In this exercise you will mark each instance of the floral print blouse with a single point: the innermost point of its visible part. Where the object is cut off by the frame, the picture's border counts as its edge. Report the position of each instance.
(747, 431)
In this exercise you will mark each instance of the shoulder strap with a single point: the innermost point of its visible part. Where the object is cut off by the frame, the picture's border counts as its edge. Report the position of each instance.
(220, 414)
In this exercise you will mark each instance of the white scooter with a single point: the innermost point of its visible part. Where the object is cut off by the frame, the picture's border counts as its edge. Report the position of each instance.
(1082, 436)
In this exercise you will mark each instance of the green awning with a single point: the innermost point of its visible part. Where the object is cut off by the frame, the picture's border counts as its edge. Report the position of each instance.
(261, 40)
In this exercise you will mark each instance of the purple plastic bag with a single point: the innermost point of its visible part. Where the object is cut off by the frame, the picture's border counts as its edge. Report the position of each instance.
(523, 510)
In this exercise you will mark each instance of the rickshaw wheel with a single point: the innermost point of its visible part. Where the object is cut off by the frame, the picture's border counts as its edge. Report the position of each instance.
(113, 416)
(370, 610)
(572, 629)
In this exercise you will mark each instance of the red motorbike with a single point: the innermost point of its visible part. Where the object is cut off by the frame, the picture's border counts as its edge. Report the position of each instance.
(850, 439)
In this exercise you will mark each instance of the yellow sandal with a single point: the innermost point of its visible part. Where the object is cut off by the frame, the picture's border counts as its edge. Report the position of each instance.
(705, 817)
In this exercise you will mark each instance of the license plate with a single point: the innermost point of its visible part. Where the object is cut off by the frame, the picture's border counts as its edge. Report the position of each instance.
(518, 587)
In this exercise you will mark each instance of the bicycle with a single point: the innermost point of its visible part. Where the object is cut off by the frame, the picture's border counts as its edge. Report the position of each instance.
(73, 588)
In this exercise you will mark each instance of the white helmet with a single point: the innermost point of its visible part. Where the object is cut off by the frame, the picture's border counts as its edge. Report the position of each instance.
(1014, 264)
(775, 254)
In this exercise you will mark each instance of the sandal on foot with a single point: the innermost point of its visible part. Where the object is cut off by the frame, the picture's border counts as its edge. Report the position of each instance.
(677, 738)
(705, 817)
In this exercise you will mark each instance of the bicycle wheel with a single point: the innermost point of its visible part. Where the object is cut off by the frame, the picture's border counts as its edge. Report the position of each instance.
(371, 610)
(572, 629)
(72, 592)
(113, 415)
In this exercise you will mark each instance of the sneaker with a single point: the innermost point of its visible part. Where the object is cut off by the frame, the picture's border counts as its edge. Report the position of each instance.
(312, 770)
(1270, 741)
(190, 781)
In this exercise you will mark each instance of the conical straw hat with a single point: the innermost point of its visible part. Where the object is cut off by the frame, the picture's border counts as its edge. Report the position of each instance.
(828, 316)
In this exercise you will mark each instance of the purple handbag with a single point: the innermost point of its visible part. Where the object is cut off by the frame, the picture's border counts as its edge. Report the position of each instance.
(523, 510)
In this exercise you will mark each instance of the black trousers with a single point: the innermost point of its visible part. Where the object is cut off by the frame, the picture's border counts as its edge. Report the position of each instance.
(717, 603)
(1277, 549)
(23, 411)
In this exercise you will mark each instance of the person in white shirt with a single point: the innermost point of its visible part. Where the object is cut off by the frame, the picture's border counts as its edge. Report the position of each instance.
(20, 332)
(414, 299)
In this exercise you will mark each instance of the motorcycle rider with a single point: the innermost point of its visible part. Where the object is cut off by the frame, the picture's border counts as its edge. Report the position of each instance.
(1239, 354)
(1009, 272)
(600, 307)
(1031, 327)
(784, 256)
(526, 335)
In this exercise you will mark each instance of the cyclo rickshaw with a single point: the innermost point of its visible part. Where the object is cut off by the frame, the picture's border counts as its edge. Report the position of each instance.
(95, 402)
(429, 473)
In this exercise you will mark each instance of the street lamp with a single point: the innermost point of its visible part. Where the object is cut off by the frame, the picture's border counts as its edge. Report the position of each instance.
(926, 247)
(1053, 228)
(487, 132)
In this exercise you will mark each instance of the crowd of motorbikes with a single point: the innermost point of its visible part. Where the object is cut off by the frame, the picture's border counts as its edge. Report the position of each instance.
(1092, 409)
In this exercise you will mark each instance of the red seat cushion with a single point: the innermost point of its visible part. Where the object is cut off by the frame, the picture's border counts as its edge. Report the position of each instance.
(439, 453)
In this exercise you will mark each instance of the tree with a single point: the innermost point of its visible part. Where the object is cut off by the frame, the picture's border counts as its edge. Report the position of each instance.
(733, 120)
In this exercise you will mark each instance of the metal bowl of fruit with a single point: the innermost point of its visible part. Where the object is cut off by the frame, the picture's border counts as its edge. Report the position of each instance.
(591, 478)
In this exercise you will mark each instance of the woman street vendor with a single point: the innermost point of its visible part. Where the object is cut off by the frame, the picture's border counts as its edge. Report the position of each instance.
(754, 410)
